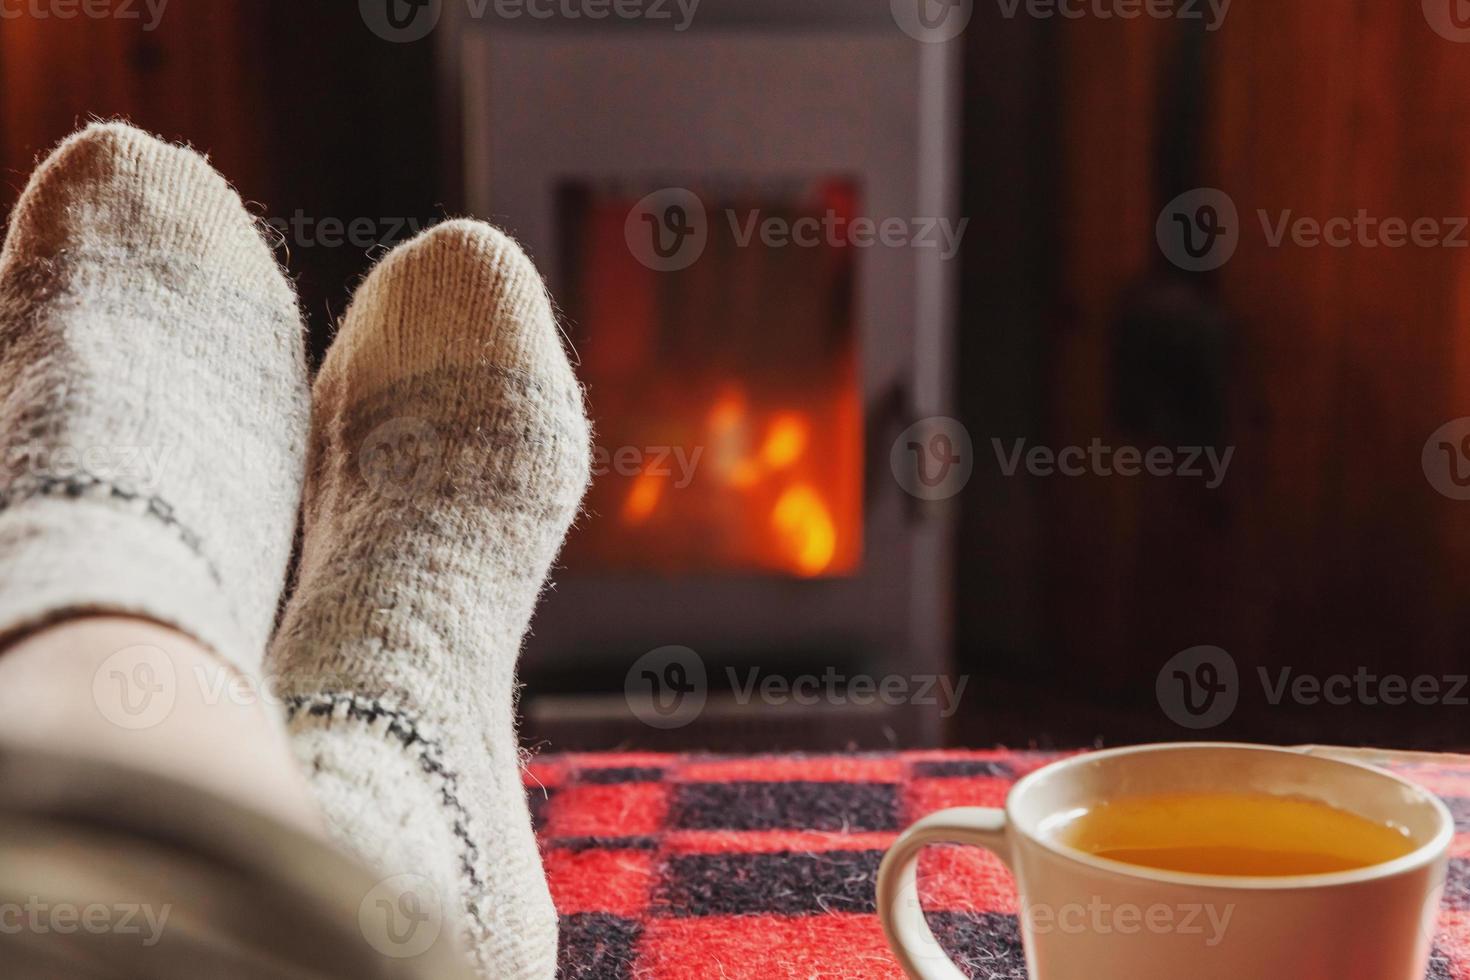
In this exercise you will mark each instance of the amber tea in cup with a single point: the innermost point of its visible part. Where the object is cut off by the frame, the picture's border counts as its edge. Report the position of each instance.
(1244, 834)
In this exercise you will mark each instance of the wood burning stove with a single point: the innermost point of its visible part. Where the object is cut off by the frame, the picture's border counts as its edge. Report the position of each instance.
(712, 208)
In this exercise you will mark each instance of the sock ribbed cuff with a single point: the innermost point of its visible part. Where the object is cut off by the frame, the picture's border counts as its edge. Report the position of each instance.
(72, 548)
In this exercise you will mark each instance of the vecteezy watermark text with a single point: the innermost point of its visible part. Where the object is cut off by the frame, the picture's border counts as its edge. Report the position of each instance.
(95, 918)
(405, 21)
(679, 14)
(1200, 230)
(302, 230)
(89, 9)
(1102, 918)
(862, 690)
(934, 460)
(1363, 230)
(1211, 12)
(676, 463)
(668, 688)
(669, 230)
(834, 230)
(1365, 687)
(139, 467)
(1200, 688)
(1096, 459)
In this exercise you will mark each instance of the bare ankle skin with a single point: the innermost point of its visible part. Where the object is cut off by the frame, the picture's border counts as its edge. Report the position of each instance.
(145, 696)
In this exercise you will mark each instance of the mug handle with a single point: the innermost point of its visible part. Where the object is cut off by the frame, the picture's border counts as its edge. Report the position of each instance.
(909, 936)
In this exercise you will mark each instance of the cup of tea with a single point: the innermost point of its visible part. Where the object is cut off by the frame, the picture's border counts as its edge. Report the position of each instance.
(1206, 861)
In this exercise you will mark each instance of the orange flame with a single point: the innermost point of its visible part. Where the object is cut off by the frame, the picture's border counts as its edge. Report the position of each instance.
(786, 441)
(806, 529)
(761, 459)
(643, 498)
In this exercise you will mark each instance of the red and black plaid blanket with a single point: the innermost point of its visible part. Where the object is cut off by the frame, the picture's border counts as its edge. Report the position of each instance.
(764, 868)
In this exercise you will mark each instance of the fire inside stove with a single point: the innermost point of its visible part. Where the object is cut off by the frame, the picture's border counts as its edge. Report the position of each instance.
(723, 383)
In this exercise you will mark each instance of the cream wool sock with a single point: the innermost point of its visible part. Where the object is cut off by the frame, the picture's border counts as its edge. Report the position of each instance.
(449, 455)
(153, 398)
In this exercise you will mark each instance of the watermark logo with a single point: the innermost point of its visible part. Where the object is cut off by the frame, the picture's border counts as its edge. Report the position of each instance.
(402, 916)
(138, 687)
(1199, 230)
(932, 21)
(401, 21)
(1450, 19)
(135, 688)
(400, 458)
(668, 230)
(1199, 688)
(1446, 459)
(933, 459)
(667, 688)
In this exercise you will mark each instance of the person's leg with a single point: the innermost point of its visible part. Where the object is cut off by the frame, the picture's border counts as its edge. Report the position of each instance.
(153, 417)
(449, 455)
(148, 697)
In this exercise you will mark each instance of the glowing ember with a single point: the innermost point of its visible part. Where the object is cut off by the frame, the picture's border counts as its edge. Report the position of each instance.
(643, 498)
(728, 412)
(765, 476)
(744, 475)
(786, 441)
(805, 526)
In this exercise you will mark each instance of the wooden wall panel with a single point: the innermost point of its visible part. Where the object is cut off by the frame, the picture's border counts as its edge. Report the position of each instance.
(190, 79)
(1327, 549)
(1351, 361)
(1110, 71)
(298, 104)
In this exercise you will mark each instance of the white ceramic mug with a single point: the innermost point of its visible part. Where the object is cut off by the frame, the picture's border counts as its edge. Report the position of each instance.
(1088, 918)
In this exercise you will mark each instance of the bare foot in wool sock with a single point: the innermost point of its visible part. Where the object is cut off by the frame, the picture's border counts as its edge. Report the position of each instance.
(449, 455)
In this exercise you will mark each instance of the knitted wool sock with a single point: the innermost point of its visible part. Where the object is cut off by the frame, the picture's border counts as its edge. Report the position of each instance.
(449, 454)
(153, 398)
